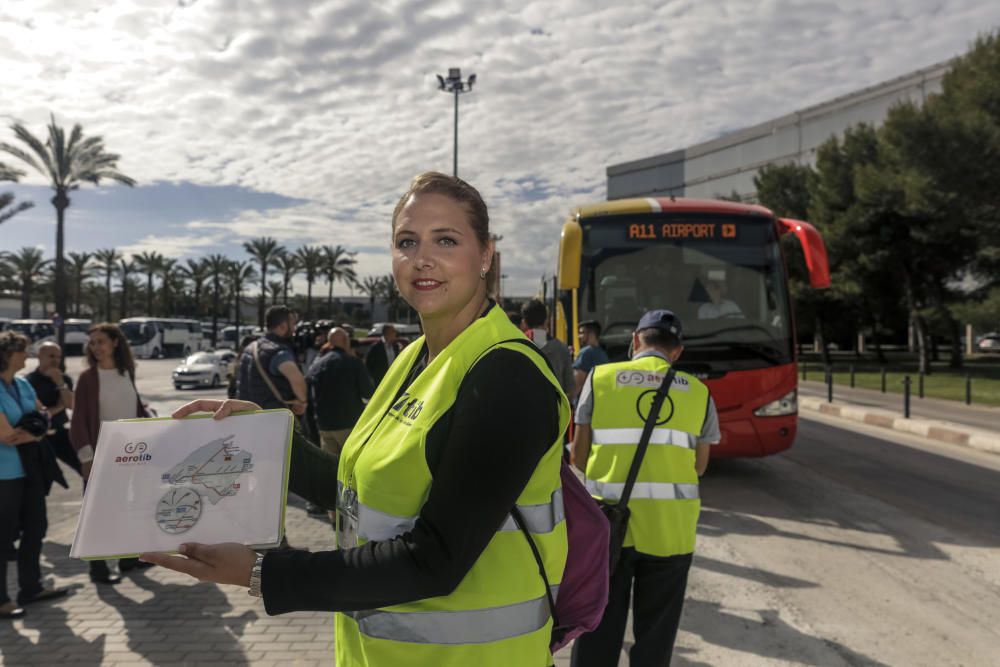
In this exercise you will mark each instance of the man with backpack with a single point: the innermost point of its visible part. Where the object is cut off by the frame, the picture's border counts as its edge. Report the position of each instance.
(650, 464)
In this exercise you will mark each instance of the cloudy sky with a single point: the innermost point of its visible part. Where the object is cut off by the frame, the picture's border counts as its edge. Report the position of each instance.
(306, 120)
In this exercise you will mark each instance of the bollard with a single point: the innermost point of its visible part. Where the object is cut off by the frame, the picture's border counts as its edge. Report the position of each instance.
(920, 385)
(883, 379)
(906, 397)
(852, 376)
(829, 385)
(968, 389)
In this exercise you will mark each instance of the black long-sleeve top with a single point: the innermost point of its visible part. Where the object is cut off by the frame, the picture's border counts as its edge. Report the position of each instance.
(481, 454)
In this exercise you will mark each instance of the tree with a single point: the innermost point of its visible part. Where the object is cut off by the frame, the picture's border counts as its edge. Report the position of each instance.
(27, 264)
(275, 288)
(106, 261)
(288, 264)
(218, 267)
(148, 262)
(8, 209)
(125, 268)
(372, 286)
(311, 260)
(67, 163)
(197, 271)
(168, 276)
(338, 264)
(239, 274)
(265, 250)
(390, 294)
(79, 271)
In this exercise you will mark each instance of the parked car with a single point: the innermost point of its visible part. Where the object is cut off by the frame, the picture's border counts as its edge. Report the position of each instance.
(989, 343)
(201, 369)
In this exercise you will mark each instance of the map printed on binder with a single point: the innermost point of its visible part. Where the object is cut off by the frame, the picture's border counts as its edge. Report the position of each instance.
(156, 483)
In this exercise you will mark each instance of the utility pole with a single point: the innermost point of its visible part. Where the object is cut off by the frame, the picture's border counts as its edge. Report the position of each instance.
(454, 84)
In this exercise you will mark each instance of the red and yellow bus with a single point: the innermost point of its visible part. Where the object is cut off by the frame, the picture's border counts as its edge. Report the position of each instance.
(719, 266)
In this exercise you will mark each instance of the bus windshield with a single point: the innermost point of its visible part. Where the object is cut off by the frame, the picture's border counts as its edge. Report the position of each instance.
(722, 275)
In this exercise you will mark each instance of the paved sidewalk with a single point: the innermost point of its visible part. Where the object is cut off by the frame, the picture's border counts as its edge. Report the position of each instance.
(946, 421)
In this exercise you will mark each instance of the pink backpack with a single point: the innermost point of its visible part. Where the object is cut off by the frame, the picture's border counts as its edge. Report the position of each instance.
(583, 592)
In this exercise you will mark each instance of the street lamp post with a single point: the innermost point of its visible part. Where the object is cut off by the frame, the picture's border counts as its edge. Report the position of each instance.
(454, 84)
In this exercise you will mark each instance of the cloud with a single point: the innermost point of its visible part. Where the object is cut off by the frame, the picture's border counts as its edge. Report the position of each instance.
(335, 104)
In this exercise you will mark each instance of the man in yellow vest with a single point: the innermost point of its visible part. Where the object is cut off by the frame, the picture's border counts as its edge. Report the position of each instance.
(664, 504)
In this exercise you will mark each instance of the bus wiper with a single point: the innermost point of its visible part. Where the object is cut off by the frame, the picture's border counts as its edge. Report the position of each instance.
(765, 352)
(741, 327)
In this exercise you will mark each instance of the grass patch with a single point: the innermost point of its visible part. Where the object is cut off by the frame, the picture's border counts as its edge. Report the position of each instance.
(943, 382)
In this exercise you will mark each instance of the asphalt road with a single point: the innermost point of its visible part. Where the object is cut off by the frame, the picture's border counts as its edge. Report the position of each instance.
(856, 547)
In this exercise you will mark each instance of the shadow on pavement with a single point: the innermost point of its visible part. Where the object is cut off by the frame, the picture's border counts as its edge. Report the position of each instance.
(752, 573)
(180, 622)
(767, 636)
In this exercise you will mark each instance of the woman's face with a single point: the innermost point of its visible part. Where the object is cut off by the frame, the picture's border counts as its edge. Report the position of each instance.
(101, 345)
(436, 258)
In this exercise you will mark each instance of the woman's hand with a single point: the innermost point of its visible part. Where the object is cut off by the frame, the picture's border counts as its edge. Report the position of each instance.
(21, 437)
(218, 408)
(227, 563)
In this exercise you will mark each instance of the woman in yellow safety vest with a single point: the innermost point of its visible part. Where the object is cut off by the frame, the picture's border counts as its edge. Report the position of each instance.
(432, 568)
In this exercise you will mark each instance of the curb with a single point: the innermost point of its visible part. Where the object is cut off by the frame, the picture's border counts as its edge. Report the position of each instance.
(942, 431)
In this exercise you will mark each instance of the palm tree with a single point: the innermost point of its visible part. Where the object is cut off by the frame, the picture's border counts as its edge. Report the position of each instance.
(148, 262)
(311, 260)
(67, 163)
(390, 292)
(372, 286)
(337, 265)
(274, 287)
(125, 268)
(7, 207)
(106, 260)
(168, 276)
(265, 250)
(79, 270)
(197, 271)
(217, 266)
(288, 264)
(240, 273)
(27, 264)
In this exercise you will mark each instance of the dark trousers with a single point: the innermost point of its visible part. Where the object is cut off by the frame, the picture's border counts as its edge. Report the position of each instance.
(22, 515)
(656, 612)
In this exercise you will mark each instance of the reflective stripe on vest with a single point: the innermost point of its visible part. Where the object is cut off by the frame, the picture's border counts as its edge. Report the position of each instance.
(471, 626)
(374, 525)
(631, 436)
(644, 490)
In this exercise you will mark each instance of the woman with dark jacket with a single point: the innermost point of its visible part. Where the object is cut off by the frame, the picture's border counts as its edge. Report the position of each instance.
(105, 392)
(24, 481)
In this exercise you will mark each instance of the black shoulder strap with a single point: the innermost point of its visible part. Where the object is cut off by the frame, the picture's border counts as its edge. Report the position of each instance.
(647, 432)
(519, 520)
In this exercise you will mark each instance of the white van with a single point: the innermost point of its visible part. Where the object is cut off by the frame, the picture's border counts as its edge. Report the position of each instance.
(155, 337)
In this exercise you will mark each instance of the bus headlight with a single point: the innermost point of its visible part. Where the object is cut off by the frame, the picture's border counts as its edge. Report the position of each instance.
(786, 405)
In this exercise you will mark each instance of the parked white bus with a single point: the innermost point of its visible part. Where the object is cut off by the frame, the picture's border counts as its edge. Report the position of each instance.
(42, 331)
(155, 337)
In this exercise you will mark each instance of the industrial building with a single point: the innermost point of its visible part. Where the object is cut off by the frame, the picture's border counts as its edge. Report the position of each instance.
(728, 164)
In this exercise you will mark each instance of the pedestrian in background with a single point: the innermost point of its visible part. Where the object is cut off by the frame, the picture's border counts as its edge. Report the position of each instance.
(665, 500)
(106, 391)
(55, 391)
(339, 388)
(316, 348)
(591, 353)
(268, 373)
(23, 486)
(535, 322)
(383, 353)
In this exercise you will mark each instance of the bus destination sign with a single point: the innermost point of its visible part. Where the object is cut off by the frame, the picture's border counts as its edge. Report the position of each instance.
(671, 231)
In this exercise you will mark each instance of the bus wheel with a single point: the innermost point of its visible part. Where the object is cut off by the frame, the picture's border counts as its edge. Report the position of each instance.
(156, 353)
(215, 382)
(187, 350)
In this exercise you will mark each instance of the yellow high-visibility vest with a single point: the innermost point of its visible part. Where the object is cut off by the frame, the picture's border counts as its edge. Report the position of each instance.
(665, 502)
(499, 613)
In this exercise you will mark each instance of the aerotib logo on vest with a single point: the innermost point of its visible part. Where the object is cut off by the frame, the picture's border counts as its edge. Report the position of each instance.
(406, 408)
(134, 453)
(651, 382)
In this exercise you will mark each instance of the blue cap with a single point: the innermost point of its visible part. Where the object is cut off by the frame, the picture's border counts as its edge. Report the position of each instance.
(664, 320)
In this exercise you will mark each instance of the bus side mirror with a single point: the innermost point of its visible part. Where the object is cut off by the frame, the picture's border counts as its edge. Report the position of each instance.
(813, 249)
(570, 247)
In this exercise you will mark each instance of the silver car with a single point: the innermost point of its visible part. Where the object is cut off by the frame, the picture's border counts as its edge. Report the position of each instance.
(201, 369)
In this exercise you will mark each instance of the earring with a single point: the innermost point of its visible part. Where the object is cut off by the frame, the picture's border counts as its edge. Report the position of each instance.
(482, 274)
